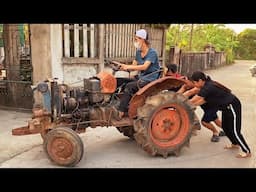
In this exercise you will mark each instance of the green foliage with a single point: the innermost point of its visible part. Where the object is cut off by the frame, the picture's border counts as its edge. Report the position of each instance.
(183, 35)
(246, 48)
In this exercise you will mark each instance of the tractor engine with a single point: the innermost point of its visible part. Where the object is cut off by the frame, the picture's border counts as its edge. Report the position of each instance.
(90, 103)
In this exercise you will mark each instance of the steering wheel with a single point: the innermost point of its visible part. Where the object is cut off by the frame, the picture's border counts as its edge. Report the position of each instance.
(115, 66)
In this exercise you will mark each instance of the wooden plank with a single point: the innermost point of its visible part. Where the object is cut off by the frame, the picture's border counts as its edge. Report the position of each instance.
(163, 47)
(92, 40)
(155, 34)
(162, 40)
(76, 40)
(152, 39)
(101, 49)
(120, 38)
(111, 40)
(130, 40)
(116, 40)
(107, 40)
(126, 40)
(85, 41)
(66, 41)
(157, 42)
(123, 45)
(134, 29)
(96, 40)
(137, 27)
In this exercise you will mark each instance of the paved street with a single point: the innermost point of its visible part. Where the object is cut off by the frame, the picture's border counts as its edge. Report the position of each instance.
(107, 148)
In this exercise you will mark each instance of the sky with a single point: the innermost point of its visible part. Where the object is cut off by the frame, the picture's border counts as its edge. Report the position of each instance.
(240, 27)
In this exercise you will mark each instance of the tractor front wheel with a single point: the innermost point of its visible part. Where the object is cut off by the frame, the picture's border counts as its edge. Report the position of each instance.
(63, 146)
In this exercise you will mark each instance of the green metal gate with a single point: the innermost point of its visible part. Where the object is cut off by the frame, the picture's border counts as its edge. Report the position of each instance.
(16, 77)
(17, 93)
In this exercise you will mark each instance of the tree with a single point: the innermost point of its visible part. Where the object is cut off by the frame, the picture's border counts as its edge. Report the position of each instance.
(191, 36)
(247, 44)
(201, 34)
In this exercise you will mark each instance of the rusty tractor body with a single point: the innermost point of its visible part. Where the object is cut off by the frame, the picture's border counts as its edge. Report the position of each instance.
(160, 121)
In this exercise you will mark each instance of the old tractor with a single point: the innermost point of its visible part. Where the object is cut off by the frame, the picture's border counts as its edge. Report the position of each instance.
(159, 120)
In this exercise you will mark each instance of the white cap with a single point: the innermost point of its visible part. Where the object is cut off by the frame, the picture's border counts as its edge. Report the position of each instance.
(141, 33)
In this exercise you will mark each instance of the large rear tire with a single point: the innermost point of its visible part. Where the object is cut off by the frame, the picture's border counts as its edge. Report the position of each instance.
(164, 124)
(63, 146)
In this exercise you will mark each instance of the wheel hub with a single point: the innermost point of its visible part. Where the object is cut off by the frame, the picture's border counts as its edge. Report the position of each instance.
(61, 148)
(166, 124)
(169, 125)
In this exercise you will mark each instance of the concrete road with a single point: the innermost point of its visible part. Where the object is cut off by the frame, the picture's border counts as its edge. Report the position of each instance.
(107, 148)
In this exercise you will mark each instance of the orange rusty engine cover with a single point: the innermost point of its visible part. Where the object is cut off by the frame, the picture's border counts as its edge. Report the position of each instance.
(108, 82)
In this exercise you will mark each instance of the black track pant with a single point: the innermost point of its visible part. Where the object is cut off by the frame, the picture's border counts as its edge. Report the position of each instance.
(231, 124)
(130, 89)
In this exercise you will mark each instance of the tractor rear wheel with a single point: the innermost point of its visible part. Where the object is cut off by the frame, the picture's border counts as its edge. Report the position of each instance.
(164, 124)
(63, 146)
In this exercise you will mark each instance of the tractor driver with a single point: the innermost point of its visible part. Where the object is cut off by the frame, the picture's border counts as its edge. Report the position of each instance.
(146, 63)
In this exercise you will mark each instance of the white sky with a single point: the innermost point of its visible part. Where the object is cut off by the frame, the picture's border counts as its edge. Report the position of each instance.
(240, 27)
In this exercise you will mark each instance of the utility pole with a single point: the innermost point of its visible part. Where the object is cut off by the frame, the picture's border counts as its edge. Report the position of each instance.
(191, 36)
